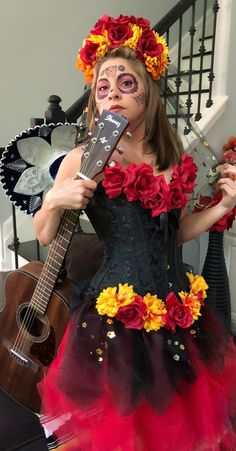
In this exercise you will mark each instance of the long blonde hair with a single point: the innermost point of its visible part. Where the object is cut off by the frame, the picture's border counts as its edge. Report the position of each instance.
(159, 133)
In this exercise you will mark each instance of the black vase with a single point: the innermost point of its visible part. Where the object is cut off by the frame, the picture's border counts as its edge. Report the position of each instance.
(215, 273)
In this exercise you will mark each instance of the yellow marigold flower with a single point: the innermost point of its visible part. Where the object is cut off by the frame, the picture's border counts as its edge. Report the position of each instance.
(137, 33)
(197, 283)
(125, 295)
(102, 41)
(153, 317)
(107, 302)
(191, 301)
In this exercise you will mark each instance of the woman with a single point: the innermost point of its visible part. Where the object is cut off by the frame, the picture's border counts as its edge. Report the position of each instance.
(145, 364)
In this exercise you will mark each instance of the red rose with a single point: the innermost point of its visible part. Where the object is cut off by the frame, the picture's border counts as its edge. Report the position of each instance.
(88, 52)
(158, 202)
(147, 44)
(118, 34)
(141, 22)
(143, 183)
(177, 313)
(230, 156)
(125, 20)
(177, 197)
(224, 223)
(185, 174)
(231, 144)
(131, 315)
(114, 180)
(100, 25)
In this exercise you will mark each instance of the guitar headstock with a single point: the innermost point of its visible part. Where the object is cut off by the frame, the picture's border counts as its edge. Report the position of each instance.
(102, 143)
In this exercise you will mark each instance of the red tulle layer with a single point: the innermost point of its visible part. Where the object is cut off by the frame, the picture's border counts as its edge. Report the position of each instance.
(198, 417)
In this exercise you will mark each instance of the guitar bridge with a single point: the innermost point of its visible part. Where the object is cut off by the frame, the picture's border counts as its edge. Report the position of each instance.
(19, 356)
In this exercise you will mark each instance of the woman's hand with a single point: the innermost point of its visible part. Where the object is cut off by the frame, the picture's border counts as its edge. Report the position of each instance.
(70, 194)
(227, 184)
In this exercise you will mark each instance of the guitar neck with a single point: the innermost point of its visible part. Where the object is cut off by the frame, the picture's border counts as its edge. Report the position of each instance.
(54, 261)
(97, 152)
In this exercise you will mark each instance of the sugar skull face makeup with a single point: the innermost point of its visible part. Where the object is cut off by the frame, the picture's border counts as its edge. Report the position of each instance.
(120, 88)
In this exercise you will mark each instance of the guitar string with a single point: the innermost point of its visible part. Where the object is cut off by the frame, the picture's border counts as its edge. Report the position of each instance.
(31, 313)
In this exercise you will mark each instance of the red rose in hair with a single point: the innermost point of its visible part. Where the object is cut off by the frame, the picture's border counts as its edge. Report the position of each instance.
(131, 315)
(114, 180)
(118, 34)
(147, 44)
(100, 25)
(141, 22)
(177, 313)
(185, 174)
(177, 197)
(143, 184)
(88, 52)
(125, 20)
(158, 202)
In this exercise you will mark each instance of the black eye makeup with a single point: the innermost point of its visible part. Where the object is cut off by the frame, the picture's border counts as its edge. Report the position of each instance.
(127, 83)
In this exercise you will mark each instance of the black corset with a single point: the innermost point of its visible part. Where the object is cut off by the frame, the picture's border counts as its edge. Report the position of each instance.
(138, 249)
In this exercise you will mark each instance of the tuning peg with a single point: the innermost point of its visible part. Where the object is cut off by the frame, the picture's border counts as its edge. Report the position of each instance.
(129, 135)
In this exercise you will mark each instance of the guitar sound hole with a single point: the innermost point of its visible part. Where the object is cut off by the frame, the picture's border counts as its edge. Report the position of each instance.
(36, 326)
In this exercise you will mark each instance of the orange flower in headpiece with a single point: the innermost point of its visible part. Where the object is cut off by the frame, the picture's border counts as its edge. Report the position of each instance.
(109, 33)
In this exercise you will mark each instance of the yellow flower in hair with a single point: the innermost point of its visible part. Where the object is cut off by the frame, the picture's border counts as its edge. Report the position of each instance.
(197, 283)
(102, 41)
(132, 42)
(153, 317)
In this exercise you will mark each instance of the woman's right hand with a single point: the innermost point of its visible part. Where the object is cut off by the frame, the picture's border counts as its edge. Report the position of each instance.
(71, 194)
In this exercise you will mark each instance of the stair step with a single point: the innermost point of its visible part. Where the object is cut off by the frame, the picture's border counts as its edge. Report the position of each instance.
(186, 93)
(186, 72)
(196, 55)
(206, 38)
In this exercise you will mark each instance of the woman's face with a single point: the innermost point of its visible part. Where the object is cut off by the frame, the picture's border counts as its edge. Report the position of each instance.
(120, 89)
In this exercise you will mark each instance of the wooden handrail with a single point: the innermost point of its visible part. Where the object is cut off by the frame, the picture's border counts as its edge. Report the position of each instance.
(173, 15)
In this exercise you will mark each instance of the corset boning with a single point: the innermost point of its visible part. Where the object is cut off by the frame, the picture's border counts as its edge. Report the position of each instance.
(138, 249)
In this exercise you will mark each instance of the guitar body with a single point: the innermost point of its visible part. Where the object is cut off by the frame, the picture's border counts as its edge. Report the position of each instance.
(29, 340)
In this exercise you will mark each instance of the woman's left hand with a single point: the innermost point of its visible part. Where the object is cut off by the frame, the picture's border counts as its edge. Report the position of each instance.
(227, 184)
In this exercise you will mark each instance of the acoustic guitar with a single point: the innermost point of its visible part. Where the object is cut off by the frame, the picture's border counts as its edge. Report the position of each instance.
(36, 313)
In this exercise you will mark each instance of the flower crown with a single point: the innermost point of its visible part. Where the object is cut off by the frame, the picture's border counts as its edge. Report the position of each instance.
(109, 33)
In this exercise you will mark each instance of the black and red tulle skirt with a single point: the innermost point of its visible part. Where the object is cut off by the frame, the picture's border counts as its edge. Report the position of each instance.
(116, 389)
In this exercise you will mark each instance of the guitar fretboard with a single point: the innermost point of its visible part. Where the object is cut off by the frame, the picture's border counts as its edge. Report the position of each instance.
(54, 260)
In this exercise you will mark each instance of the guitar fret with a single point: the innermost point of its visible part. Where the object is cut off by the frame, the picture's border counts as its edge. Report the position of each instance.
(63, 238)
(61, 246)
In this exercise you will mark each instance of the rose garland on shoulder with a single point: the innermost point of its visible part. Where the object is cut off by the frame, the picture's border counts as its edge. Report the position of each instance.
(138, 183)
